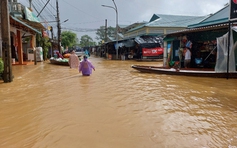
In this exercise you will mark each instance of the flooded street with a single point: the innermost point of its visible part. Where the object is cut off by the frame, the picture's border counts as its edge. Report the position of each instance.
(50, 106)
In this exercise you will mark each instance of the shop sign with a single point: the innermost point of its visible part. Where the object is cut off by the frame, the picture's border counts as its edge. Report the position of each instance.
(152, 51)
(233, 9)
(30, 15)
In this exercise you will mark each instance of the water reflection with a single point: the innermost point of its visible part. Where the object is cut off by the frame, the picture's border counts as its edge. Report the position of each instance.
(54, 106)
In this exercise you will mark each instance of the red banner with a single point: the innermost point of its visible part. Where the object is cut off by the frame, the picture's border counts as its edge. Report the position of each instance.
(146, 52)
(233, 10)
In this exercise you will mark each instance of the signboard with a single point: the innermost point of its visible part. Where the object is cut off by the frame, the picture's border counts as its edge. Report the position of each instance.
(30, 16)
(233, 10)
(152, 51)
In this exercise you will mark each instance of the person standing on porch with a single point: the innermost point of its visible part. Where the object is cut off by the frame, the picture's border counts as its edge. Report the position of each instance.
(181, 50)
(187, 57)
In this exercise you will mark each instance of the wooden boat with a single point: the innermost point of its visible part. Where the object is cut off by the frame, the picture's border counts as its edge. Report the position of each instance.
(196, 72)
(63, 63)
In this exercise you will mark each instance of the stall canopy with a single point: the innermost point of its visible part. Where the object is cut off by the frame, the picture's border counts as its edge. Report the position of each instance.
(125, 43)
(149, 41)
(129, 43)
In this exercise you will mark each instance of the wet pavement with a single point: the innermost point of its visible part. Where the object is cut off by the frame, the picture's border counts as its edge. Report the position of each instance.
(51, 106)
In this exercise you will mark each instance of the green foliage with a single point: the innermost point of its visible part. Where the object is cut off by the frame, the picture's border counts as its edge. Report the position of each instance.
(86, 41)
(45, 43)
(1, 65)
(68, 38)
(101, 33)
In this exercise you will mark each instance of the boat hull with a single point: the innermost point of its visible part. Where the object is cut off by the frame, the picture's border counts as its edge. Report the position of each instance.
(185, 72)
(59, 63)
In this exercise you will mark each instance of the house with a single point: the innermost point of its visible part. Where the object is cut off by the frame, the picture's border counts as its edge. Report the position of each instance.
(161, 24)
(24, 26)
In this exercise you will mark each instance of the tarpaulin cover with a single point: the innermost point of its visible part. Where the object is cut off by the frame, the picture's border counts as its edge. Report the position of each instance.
(149, 41)
(222, 54)
(126, 43)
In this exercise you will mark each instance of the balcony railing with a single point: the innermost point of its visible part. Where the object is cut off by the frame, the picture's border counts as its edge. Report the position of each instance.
(15, 7)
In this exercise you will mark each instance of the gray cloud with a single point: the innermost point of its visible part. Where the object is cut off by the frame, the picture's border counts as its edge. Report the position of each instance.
(89, 14)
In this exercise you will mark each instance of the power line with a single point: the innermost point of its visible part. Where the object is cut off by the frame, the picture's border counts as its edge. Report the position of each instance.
(80, 29)
(80, 10)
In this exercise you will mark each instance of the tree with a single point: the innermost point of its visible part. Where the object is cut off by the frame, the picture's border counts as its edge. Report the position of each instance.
(1, 66)
(68, 38)
(101, 33)
(86, 41)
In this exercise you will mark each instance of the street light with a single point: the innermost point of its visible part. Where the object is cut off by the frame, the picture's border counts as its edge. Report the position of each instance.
(65, 21)
(116, 10)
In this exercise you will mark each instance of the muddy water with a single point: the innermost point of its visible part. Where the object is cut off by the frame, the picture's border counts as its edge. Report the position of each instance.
(49, 106)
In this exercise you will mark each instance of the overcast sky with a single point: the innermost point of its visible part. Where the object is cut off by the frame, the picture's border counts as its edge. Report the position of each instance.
(89, 14)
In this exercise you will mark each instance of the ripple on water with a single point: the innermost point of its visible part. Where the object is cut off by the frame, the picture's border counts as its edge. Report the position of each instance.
(54, 106)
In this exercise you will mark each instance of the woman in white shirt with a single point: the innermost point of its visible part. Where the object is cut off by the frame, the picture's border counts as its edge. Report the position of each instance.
(187, 57)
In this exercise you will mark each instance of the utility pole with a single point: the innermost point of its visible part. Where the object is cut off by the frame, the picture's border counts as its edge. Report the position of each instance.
(30, 1)
(52, 40)
(6, 42)
(106, 37)
(59, 28)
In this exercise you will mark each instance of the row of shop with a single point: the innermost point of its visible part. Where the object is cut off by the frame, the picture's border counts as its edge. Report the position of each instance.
(142, 47)
(209, 39)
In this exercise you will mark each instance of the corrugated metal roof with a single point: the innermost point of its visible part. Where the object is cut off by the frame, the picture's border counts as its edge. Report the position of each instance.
(223, 13)
(175, 20)
(204, 28)
(217, 20)
(164, 20)
(123, 26)
(221, 16)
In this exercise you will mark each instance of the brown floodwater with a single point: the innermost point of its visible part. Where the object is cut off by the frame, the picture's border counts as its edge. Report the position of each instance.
(50, 106)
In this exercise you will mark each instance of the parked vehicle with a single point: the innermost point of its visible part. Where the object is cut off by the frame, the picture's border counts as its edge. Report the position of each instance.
(79, 52)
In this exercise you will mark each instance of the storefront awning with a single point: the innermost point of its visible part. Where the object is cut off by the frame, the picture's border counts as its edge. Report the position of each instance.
(192, 30)
(21, 25)
(36, 25)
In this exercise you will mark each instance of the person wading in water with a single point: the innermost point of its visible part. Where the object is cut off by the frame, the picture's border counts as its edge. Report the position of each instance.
(86, 67)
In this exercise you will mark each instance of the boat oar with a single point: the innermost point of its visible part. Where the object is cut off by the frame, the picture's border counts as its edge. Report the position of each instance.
(210, 53)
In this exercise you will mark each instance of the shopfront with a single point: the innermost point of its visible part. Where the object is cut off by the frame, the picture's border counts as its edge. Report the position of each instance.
(149, 47)
(203, 46)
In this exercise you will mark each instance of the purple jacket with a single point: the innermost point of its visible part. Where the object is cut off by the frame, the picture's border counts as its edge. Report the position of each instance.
(86, 67)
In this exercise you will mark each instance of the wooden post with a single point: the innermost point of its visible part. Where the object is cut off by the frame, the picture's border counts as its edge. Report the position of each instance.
(32, 44)
(7, 55)
(59, 28)
(35, 60)
(19, 47)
